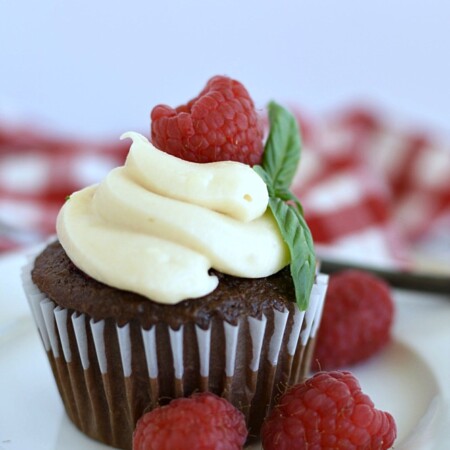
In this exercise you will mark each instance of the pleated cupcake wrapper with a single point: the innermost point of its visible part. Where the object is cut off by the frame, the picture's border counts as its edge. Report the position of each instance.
(105, 387)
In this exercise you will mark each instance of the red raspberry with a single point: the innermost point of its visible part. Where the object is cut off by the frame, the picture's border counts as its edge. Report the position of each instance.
(356, 322)
(220, 124)
(203, 421)
(328, 411)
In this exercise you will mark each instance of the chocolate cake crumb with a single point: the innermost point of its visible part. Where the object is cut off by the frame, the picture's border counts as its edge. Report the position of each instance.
(56, 276)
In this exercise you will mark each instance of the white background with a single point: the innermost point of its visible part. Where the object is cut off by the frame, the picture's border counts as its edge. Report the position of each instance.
(98, 67)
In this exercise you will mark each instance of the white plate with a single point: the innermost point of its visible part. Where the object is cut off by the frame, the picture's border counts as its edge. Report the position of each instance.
(403, 379)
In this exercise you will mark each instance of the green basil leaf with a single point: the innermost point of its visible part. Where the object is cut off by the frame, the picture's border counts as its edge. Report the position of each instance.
(288, 196)
(266, 178)
(297, 236)
(282, 149)
(279, 165)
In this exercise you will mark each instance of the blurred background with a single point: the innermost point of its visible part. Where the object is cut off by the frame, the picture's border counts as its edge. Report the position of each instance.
(368, 81)
(96, 68)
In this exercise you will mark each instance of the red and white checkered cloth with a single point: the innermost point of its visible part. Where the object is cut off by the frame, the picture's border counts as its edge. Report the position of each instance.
(37, 173)
(370, 189)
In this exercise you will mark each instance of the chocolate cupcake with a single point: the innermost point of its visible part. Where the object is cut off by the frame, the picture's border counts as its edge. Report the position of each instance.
(169, 278)
(120, 355)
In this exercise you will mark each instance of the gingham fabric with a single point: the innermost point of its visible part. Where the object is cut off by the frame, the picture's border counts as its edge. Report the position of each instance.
(37, 173)
(372, 189)
(368, 186)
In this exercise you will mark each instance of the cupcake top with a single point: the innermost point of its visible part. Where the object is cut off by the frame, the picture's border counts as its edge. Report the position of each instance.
(164, 224)
(157, 225)
(70, 288)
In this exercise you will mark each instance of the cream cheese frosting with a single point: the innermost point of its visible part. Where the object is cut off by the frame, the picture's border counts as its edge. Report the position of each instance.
(158, 224)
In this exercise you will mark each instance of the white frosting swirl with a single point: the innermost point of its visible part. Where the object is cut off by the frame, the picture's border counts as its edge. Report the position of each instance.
(158, 224)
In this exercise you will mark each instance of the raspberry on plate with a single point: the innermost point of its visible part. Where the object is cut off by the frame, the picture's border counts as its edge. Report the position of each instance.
(356, 321)
(220, 124)
(328, 411)
(203, 421)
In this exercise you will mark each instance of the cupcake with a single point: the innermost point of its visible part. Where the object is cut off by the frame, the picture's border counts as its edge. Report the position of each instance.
(173, 276)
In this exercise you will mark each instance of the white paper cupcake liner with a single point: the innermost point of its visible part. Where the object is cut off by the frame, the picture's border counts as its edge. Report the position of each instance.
(108, 374)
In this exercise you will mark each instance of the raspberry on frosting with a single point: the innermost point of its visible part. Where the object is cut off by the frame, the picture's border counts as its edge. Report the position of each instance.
(328, 411)
(203, 421)
(220, 124)
(356, 322)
